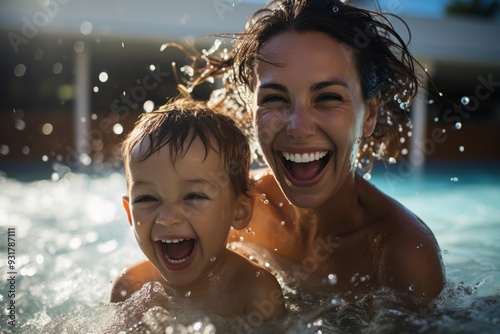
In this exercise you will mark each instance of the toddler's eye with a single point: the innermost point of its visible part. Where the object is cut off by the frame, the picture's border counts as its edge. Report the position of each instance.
(195, 197)
(145, 198)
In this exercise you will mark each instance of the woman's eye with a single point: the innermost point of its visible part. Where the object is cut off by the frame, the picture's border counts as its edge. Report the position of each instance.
(328, 97)
(273, 99)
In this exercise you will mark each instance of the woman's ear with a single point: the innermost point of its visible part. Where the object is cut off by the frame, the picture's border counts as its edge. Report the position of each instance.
(370, 119)
(243, 212)
(126, 205)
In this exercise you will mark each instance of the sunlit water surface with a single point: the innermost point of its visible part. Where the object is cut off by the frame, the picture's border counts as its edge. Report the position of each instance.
(73, 239)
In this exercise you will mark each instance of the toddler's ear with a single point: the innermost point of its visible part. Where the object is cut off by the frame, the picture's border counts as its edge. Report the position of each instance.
(243, 212)
(126, 205)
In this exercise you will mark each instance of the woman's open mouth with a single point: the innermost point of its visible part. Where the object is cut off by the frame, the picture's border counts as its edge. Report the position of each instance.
(176, 253)
(304, 169)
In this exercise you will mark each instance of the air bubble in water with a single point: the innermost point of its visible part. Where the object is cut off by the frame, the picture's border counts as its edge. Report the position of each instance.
(465, 100)
(458, 125)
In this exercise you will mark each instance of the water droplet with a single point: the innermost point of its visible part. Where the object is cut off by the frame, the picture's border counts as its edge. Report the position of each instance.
(213, 258)
(103, 77)
(19, 70)
(57, 68)
(280, 204)
(55, 177)
(436, 119)
(430, 101)
(465, 100)
(392, 160)
(123, 44)
(257, 273)
(461, 148)
(402, 140)
(250, 231)
(411, 287)
(118, 129)
(458, 125)
(367, 176)
(267, 265)
(332, 279)
(187, 294)
(86, 28)
(335, 9)
(138, 223)
(38, 55)
(282, 223)
(404, 151)
(20, 124)
(123, 293)
(47, 129)
(45, 158)
(148, 106)
(454, 179)
(79, 46)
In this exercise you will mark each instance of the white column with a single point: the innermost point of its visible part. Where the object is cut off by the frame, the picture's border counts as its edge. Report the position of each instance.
(419, 119)
(81, 119)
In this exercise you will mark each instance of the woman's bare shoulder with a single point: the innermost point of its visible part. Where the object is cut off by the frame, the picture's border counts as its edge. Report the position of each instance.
(407, 247)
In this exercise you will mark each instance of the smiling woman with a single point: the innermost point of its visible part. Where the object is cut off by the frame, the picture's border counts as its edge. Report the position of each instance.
(328, 86)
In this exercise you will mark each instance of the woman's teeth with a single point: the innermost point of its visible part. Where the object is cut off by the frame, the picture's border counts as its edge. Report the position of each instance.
(304, 157)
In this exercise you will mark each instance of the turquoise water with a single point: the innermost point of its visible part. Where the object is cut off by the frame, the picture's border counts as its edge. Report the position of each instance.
(72, 239)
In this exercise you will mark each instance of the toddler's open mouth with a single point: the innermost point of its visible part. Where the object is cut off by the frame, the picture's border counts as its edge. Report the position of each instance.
(176, 252)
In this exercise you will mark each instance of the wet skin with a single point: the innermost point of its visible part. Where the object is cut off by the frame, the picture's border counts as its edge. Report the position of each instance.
(308, 105)
(339, 223)
(181, 213)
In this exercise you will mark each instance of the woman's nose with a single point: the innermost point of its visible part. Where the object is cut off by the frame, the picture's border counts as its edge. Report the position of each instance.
(169, 214)
(300, 123)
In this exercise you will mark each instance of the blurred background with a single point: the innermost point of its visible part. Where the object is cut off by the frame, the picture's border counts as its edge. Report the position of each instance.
(75, 74)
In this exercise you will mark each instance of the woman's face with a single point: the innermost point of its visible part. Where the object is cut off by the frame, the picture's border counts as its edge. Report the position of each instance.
(309, 114)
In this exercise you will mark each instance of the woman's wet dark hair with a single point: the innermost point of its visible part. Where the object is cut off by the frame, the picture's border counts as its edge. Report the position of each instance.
(383, 61)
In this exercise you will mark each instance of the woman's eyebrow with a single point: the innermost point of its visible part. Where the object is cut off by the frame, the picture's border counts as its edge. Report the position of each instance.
(275, 86)
(328, 83)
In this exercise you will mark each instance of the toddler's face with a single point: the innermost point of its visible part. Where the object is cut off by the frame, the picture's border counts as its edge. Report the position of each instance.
(181, 211)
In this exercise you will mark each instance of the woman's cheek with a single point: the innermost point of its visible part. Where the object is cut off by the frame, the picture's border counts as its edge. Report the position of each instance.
(267, 124)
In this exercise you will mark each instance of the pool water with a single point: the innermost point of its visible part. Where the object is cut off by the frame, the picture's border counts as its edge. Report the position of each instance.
(72, 239)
